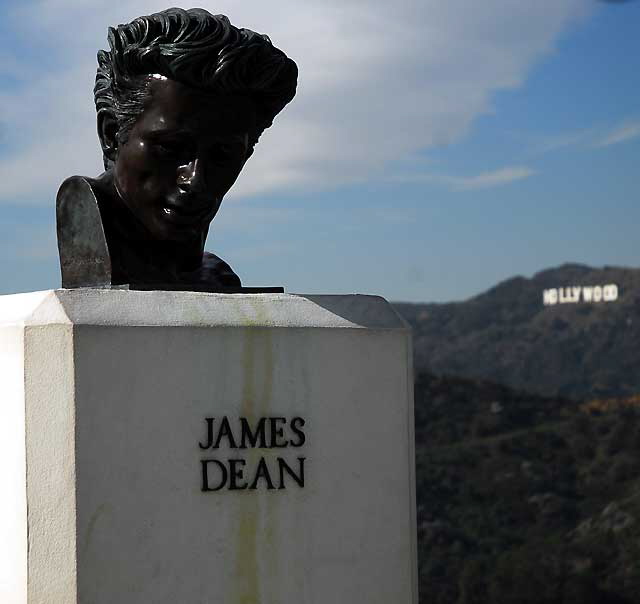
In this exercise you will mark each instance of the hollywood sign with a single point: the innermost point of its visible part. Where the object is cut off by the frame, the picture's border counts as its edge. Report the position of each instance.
(575, 294)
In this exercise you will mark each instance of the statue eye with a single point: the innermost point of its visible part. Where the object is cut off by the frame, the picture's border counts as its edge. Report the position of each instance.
(168, 148)
(174, 152)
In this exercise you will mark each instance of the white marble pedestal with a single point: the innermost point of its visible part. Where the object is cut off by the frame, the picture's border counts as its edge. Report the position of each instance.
(191, 448)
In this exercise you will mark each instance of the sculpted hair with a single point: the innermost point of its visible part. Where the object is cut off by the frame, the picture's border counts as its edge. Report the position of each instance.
(195, 48)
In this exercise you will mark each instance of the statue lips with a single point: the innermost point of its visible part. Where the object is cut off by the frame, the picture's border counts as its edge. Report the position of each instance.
(189, 210)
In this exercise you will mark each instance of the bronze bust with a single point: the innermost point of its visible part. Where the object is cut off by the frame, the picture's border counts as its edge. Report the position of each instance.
(182, 98)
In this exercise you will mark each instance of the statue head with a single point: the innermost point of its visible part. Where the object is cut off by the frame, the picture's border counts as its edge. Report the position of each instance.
(182, 97)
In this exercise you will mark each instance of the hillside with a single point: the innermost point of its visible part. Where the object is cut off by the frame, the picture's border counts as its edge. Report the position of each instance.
(525, 499)
(508, 336)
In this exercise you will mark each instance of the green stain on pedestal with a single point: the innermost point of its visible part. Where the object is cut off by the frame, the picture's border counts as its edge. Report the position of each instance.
(258, 364)
(247, 577)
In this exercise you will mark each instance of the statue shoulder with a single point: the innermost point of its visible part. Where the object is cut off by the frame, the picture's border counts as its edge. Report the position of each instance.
(215, 268)
(74, 186)
(84, 256)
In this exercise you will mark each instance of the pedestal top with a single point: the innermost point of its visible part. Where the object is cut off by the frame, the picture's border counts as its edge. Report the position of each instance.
(196, 309)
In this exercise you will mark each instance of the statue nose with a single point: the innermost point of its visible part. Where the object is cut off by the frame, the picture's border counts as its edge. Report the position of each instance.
(191, 177)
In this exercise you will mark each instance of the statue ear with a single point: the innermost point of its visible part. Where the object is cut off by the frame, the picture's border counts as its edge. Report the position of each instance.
(108, 134)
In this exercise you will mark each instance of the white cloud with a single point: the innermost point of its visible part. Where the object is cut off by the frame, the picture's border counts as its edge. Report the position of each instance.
(494, 178)
(484, 180)
(593, 137)
(564, 140)
(621, 134)
(376, 84)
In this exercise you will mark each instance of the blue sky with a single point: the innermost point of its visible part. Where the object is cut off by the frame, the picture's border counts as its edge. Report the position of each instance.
(431, 151)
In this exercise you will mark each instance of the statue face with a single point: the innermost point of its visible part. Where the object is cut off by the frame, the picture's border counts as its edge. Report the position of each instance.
(182, 155)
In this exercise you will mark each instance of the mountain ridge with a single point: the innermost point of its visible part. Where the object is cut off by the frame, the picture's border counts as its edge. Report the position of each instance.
(507, 335)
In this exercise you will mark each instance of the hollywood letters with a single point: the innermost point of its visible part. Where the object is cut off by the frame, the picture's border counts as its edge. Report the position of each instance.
(238, 469)
(580, 293)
